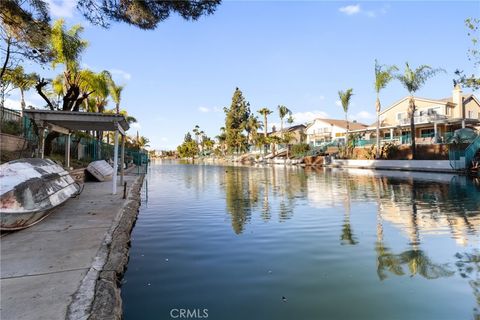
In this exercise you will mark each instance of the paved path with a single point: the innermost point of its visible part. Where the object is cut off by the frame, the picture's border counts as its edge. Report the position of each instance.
(43, 266)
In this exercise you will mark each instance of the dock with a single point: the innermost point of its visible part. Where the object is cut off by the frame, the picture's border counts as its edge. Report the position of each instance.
(68, 266)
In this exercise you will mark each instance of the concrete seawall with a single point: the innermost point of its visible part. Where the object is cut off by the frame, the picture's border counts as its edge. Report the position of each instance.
(69, 266)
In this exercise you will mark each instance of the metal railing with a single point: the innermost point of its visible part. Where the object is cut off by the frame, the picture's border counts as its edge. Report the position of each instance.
(471, 151)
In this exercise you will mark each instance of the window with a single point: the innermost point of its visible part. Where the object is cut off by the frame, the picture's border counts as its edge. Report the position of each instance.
(386, 135)
(471, 114)
(427, 133)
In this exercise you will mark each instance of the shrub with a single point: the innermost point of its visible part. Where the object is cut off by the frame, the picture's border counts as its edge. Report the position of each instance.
(300, 150)
(12, 127)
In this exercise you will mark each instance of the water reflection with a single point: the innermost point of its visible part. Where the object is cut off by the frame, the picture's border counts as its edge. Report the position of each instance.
(417, 205)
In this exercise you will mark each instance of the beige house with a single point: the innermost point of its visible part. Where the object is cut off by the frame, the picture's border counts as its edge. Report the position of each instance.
(297, 133)
(330, 130)
(435, 119)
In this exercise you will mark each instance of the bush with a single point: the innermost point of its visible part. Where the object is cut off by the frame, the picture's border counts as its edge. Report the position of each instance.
(12, 127)
(300, 150)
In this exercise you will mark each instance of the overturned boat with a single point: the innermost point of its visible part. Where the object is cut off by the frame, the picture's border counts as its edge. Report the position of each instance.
(100, 170)
(30, 189)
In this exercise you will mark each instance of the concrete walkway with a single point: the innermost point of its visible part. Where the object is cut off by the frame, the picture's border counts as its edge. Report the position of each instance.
(42, 267)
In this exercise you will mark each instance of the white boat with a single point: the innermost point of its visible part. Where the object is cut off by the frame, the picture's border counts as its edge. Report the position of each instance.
(30, 189)
(101, 170)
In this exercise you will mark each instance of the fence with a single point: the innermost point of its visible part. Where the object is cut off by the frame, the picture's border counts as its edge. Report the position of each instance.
(83, 147)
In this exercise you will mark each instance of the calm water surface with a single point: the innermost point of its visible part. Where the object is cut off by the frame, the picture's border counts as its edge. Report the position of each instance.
(294, 243)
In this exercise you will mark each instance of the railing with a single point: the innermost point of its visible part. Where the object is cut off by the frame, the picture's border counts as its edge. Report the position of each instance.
(422, 119)
(471, 151)
(455, 157)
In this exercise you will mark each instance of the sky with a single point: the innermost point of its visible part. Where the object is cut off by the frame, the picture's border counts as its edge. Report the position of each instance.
(294, 53)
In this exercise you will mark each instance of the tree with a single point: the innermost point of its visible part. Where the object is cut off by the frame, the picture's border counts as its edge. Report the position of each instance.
(25, 32)
(252, 128)
(67, 47)
(283, 111)
(265, 112)
(345, 97)
(143, 14)
(236, 122)
(413, 80)
(473, 53)
(382, 78)
(189, 147)
(116, 94)
(20, 80)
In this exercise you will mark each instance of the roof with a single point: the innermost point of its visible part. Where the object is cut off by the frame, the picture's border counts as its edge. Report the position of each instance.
(343, 124)
(77, 120)
(290, 129)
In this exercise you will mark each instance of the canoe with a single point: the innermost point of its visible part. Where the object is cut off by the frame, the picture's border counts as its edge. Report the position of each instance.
(100, 170)
(30, 189)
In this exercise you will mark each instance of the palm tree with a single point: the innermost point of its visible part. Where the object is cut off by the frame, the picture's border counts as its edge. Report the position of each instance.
(265, 112)
(413, 80)
(382, 78)
(283, 111)
(21, 80)
(252, 127)
(116, 94)
(345, 97)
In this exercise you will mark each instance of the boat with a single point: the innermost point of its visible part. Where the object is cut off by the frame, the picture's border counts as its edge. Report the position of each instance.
(30, 189)
(100, 170)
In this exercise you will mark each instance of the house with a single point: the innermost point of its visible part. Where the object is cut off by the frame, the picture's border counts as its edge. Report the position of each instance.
(297, 133)
(435, 119)
(322, 131)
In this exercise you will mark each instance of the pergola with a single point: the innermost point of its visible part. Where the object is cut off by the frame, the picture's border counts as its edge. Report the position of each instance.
(66, 122)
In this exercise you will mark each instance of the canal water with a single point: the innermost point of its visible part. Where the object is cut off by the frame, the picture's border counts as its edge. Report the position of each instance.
(274, 242)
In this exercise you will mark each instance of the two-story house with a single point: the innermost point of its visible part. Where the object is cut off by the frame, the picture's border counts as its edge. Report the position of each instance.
(330, 130)
(435, 119)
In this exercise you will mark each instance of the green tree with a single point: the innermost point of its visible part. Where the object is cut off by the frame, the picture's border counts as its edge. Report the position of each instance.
(345, 97)
(236, 122)
(253, 125)
(383, 75)
(473, 53)
(116, 94)
(24, 32)
(265, 112)
(283, 112)
(143, 14)
(21, 80)
(413, 80)
(189, 147)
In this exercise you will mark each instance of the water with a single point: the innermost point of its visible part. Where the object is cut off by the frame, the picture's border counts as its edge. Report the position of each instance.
(294, 243)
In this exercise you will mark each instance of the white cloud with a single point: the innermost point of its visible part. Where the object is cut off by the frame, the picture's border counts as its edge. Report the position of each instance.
(308, 116)
(338, 103)
(205, 109)
(16, 105)
(121, 73)
(136, 126)
(164, 139)
(62, 9)
(350, 10)
(356, 9)
(363, 116)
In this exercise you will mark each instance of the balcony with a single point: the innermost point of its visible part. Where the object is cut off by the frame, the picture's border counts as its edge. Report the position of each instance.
(422, 119)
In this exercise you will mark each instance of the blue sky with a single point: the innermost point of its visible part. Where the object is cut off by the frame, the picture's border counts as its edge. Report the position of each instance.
(298, 54)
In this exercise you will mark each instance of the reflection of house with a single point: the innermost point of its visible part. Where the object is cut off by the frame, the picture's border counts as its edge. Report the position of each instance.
(435, 119)
(328, 130)
(297, 133)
